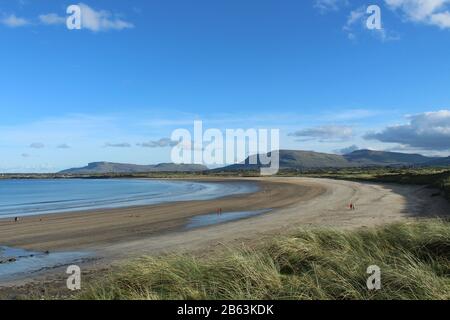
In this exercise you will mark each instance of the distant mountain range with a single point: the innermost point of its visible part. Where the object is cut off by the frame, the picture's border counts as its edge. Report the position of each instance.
(297, 159)
(111, 167)
(289, 159)
(384, 158)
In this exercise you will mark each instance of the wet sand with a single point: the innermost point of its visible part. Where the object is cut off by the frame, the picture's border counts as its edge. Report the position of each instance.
(89, 230)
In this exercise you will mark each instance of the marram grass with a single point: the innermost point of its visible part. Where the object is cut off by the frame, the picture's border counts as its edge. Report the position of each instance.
(414, 259)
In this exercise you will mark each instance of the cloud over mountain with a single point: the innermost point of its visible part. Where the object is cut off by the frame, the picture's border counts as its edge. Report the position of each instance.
(347, 150)
(429, 130)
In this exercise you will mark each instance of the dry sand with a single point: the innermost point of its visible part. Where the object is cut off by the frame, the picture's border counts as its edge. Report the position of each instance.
(325, 204)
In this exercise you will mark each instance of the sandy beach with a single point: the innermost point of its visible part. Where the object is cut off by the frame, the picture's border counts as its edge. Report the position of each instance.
(295, 202)
(114, 235)
(300, 202)
(93, 229)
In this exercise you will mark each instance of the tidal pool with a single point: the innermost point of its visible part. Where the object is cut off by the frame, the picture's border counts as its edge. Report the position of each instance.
(215, 218)
(17, 263)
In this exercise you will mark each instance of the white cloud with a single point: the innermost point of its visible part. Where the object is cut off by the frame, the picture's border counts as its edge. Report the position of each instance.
(356, 21)
(441, 19)
(37, 145)
(118, 145)
(355, 17)
(13, 21)
(91, 19)
(329, 5)
(87, 132)
(326, 133)
(406, 149)
(52, 19)
(347, 150)
(429, 130)
(161, 143)
(433, 12)
(101, 20)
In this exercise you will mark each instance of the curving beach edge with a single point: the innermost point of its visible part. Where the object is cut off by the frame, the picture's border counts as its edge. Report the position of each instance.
(114, 234)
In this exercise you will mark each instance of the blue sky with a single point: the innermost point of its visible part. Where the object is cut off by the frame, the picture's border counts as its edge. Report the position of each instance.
(140, 69)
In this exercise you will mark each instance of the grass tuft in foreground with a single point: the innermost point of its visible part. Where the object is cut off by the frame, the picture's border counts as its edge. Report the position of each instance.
(310, 264)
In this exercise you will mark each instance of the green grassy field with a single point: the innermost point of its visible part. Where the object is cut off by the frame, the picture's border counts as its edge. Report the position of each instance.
(434, 177)
(414, 259)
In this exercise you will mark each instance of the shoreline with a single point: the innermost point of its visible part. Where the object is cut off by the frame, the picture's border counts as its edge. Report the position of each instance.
(88, 229)
(133, 203)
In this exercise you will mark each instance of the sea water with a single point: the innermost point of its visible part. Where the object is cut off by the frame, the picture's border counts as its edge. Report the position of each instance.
(30, 197)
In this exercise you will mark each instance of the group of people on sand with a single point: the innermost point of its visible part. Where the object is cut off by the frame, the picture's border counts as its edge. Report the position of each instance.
(352, 206)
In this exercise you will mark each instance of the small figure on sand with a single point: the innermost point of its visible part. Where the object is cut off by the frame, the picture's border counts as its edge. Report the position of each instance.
(219, 211)
(16, 219)
(352, 206)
